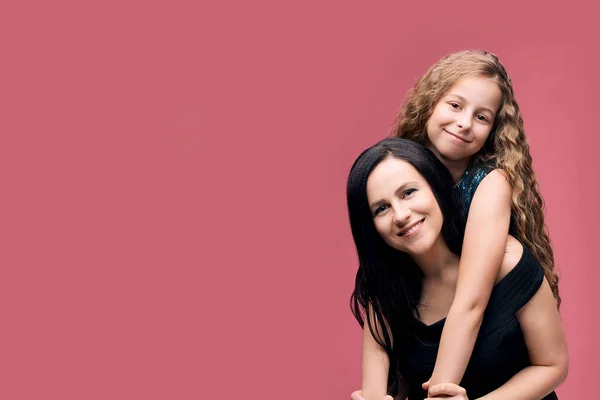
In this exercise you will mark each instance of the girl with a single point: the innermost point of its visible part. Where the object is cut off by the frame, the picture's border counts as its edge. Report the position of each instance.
(464, 110)
(408, 230)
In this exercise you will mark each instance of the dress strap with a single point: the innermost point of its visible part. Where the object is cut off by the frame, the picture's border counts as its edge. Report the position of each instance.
(517, 287)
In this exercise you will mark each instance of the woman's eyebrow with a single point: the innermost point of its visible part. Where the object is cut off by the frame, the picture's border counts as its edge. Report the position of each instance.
(396, 192)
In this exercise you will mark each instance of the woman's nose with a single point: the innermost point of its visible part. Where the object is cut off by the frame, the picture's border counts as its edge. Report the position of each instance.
(401, 215)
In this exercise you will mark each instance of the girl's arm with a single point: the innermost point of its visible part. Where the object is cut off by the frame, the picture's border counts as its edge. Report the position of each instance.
(483, 248)
(547, 347)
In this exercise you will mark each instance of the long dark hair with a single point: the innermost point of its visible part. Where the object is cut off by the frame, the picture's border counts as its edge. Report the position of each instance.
(388, 282)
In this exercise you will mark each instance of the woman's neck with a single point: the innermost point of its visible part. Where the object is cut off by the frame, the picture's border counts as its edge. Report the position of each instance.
(439, 263)
(457, 168)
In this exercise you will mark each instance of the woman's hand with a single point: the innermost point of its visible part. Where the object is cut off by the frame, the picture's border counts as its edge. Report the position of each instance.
(358, 396)
(447, 391)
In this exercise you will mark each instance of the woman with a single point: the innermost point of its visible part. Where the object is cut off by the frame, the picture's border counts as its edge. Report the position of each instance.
(408, 230)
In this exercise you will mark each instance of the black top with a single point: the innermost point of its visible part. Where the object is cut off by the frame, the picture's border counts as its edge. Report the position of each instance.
(500, 351)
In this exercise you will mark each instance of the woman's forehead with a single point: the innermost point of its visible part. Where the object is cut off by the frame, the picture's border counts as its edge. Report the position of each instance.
(390, 174)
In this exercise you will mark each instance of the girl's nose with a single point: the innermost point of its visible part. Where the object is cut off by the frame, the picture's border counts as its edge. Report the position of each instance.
(464, 122)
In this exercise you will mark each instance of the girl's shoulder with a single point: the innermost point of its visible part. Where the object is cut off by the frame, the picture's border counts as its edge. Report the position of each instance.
(468, 184)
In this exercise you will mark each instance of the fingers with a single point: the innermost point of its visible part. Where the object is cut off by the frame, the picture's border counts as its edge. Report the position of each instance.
(425, 385)
(357, 395)
(449, 389)
(459, 397)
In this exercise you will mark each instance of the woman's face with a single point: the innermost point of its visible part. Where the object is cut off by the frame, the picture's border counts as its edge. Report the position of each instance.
(404, 209)
(463, 118)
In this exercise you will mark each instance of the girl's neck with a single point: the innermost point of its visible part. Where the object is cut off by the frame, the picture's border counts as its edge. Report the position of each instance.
(438, 263)
(457, 168)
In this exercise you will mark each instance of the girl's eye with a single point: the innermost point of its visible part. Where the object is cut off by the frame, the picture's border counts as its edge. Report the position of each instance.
(408, 192)
(379, 210)
(482, 118)
(454, 105)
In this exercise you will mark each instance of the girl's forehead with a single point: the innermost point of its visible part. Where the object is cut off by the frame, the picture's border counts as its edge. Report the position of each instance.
(478, 89)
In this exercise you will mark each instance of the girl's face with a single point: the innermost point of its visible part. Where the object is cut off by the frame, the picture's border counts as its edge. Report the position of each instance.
(463, 118)
(405, 211)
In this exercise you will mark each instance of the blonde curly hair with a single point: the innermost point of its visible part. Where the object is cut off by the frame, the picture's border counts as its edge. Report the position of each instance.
(506, 147)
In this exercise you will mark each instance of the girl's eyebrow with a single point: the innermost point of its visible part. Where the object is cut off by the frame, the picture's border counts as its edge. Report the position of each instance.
(465, 100)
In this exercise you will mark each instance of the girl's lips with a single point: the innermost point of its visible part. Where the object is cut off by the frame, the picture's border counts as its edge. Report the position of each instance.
(457, 137)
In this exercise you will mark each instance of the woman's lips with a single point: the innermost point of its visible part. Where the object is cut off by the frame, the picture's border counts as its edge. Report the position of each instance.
(412, 230)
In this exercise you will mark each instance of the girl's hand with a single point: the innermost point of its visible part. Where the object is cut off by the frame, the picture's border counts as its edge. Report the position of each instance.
(448, 391)
(358, 396)
(425, 386)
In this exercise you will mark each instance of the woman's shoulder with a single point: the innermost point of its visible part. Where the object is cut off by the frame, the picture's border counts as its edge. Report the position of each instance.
(519, 278)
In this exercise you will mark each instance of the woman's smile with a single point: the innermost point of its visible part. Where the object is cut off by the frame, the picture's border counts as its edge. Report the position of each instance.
(411, 230)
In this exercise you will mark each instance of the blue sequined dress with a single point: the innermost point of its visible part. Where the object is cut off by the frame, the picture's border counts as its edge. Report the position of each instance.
(468, 184)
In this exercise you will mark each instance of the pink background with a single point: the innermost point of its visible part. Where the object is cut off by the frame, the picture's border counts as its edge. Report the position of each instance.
(172, 175)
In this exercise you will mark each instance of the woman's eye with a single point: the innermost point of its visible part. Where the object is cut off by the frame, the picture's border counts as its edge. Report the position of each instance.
(408, 192)
(379, 210)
